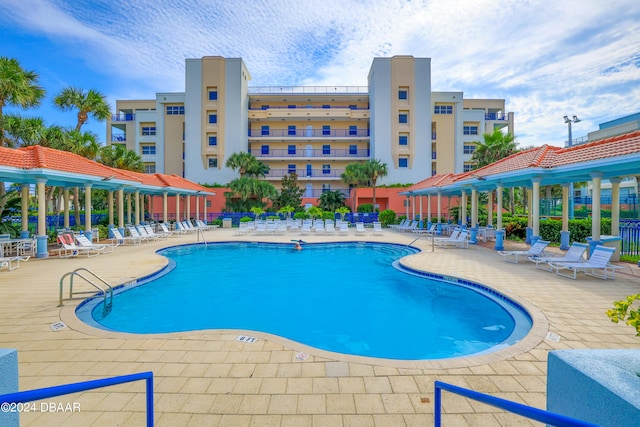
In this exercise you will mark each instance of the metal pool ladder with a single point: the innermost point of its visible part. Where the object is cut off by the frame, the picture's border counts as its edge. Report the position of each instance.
(106, 291)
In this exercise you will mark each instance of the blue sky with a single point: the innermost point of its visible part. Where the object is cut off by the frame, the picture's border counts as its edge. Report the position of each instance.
(545, 58)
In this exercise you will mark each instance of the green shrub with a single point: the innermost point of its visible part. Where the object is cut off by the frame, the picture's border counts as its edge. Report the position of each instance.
(365, 208)
(301, 215)
(387, 217)
(328, 215)
(217, 222)
(246, 219)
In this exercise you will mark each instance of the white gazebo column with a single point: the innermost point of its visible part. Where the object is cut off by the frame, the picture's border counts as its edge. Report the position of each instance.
(499, 230)
(24, 199)
(121, 210)
(439, 213)
(197, 207)
(142, 218)
(413, 207)
(474, 216)
(564, 233)
(406, 206)
(429, 207)
(177, 208)
(187, 202)
(462, 215)
(87, 211)
(136, 202)
(615, 206)
(596, 182)
(110, 207)
(421, 214)
(66, 194)
(535, 208)
(41, 239)
(529, 215)
(490, 209)
(128, 208)
(165, 215)
(204, 209)
(151, 210)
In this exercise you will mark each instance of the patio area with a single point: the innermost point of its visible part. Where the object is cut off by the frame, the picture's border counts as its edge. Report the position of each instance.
(209, 378)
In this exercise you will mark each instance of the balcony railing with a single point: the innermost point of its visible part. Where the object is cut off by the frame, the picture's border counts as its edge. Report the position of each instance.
(305, 173)
(309, 107)
(118, 138)
(309, 133)
(317, 192)
(311, 153)
(124, 117)
(495, 116)
(274, 90)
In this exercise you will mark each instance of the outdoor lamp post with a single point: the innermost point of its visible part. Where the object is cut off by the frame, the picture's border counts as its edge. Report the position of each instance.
(568, 121)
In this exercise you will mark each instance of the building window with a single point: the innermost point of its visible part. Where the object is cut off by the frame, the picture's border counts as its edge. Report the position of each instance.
(353, 150)
(291, 150)
(291, 169)
(148, 130)
(175, 110)
(403, 162)
(326, 169)
(433, 172)
(291, 106)
(213, 94)
(353, 130)
(353, 107)
(213, 162)
(213, 118)
(149, 167)
(213, 140)
(403, 94)
(264, 107)
(469, 149)
(292, 131)
(326, 187)
(403, 117)
(326, 106)
(403, 140)
(470, 130)
(265, 149)
(148, 149)
(467, 167)
(264, 131)
(326, 149)
(443, 109)
(326, 130)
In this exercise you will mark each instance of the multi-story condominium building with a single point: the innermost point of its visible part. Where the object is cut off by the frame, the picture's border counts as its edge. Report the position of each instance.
(312, 131)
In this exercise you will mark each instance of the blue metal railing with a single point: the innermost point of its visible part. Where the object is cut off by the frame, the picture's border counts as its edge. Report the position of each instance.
(60, 390)
(307, 89)
(536, 414)
(310, 133)
(310, 153)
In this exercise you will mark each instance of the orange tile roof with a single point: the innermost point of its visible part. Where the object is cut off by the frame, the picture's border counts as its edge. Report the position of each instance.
(38, 157)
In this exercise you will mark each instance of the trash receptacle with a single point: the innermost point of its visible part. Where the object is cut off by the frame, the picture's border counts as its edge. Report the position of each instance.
(226, 222)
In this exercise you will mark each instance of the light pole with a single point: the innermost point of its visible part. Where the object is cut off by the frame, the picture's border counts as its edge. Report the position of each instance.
(568, 121)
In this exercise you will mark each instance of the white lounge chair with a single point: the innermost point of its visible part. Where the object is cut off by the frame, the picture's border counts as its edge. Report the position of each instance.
(574, 254)
(360, 228)
(170, 233)
(377, 228)
(403, 223)
(147, 233)
(13, 262)
(431, 231)
(597, 262)
(459, 241)
(330, 228)
(101, 248)
(69, 249)
(133, 232)
(536, 250)
(122, 240)
(343, 227)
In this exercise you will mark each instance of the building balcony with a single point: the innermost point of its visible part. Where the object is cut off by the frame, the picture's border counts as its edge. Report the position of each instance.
(320, 90)
(125, 117)
(317, 192)
(309, 112)
(311, 153)
(496, 116)
(309, 133)
(118, 138)
(319, 174)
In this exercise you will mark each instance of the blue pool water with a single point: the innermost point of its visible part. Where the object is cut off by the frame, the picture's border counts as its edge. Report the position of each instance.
(345, 298)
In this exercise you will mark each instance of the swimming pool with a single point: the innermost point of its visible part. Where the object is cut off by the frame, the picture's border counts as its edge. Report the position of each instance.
(346, 298)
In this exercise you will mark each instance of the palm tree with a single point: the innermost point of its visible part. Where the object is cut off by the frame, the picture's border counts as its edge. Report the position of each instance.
(331, 200)
(354, 176)
(90, 102)
(374, 169)
(495, 146)
(19, 88)
(118, 156)
(22, 132)
(247, 164)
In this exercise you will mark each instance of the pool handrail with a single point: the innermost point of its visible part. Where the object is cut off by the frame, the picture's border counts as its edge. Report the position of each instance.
(60, 390)
(536, 414)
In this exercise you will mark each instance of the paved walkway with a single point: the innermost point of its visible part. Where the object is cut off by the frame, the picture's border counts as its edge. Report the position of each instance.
(206, 378)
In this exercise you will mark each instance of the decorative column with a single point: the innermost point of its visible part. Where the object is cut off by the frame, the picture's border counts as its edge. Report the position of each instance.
(462, 215)
(407, 202)
(128, 208)
(499, 231)
(177, 208)
(24, 199)
(87, 212)
(204, 209)
(490, 209)
(136, 202)
(187, 202)
(536, 210)
(121, 210)
(474, 216)
(421, 214)
(142, 218)
(165, 215)
(564, 233)
(596, 182)
(615, 206)
(439, 227)
(413, 207)
(41, 239)
(66, 194)
(529, 216)
(429, 207)
(197, 207)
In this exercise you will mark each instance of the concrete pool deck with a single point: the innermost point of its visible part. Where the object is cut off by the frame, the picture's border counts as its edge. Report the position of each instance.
(208, 378)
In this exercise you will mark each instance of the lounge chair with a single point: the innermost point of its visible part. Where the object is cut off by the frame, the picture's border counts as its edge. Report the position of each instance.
(377, 228)
(69, 248)
(169, 233)
(431, 231)
(147, 233)
(459, 241)
(200, 223)
(343, 227)
(13, 262)
(403, 223)
(149, 230)
(574, 254)
(536, 250)
(597, 262)
(330, 228)
(133, 232)
(102, 248)
(360, 228)
(122, 240)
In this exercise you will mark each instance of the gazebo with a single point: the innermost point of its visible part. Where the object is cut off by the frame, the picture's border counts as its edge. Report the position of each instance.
(612, 158)
(42, 166)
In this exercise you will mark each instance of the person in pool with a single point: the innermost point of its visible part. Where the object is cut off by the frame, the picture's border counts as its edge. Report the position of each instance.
(297, 246)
